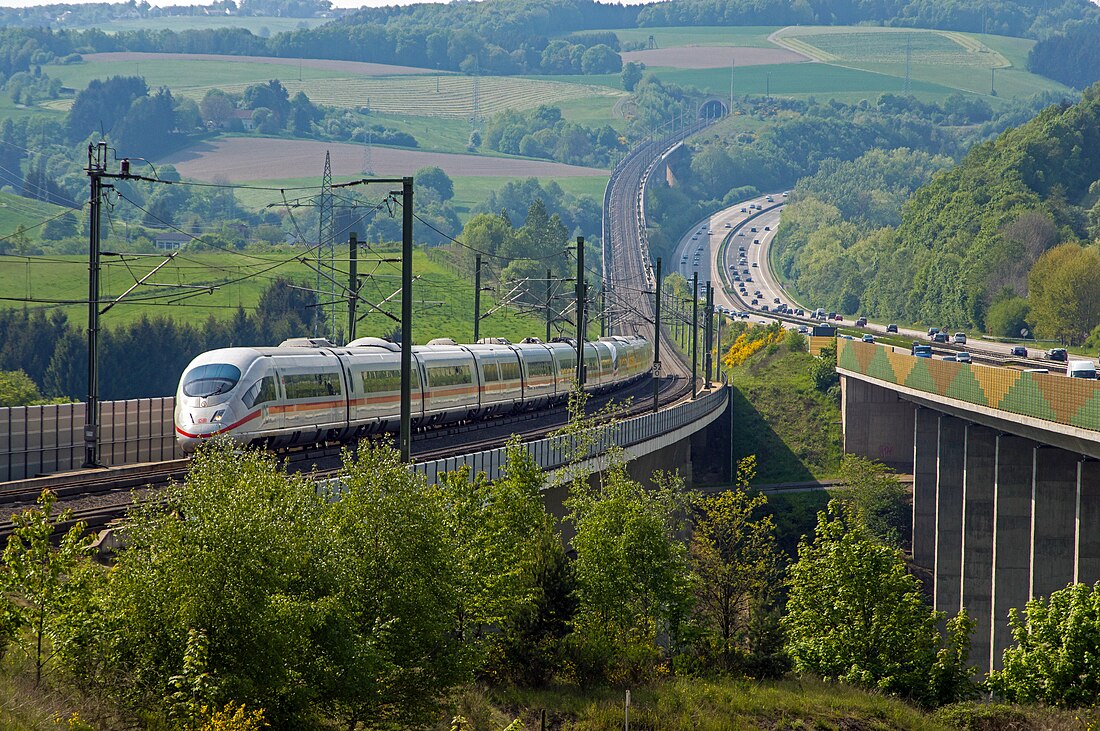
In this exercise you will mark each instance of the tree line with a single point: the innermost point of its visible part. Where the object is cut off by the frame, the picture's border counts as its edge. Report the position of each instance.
(52, 351)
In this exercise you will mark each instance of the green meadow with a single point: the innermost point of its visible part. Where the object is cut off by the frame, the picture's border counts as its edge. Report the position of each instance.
(178, 74)
(443, 299)
(16, 211)
(750, 36)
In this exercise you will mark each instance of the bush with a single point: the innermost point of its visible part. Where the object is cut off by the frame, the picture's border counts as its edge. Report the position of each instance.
(1057, 644)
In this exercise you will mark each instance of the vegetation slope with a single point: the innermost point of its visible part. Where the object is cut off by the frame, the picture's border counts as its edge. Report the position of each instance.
(967, 240)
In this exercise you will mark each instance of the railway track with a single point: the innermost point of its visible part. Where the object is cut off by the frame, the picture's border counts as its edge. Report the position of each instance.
(628, 273)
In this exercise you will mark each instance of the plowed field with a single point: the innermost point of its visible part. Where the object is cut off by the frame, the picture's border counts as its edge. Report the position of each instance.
(238, 159)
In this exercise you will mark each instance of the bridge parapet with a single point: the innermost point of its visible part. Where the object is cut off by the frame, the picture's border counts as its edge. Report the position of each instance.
(1039, 401)
(638, 436)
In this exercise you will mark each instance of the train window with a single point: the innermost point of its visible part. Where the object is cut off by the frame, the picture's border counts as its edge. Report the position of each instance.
(459, 375)
(311, 385)
(540, 368)
(489, 372)
(374, 381)
(210, 380)
(509, 370)
(261, 392)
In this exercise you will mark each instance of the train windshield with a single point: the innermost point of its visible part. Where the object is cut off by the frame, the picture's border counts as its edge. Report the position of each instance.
(210, 380)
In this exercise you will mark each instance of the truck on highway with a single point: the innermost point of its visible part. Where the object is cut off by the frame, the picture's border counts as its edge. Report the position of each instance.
(1081, 369)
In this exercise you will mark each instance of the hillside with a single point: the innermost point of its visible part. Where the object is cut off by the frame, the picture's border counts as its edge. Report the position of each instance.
(969, 239)
(793, 429)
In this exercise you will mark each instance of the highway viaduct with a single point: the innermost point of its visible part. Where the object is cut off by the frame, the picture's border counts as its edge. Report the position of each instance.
(1006, 476)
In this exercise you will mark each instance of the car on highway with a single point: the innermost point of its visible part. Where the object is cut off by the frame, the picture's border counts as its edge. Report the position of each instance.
(963, 357)
(800, 312)
(748, 279)
(695, 237)
(728, 225)
(861, 322)
(1019, 351)
(891, 328)
(769, 199)
(932, 331)
(1058, 354)
(839, 317)
(767, 228)
(753, 229)
(775, 300)
(744, 210)
(960, 339)
(921, 350)
(756, 264)
(939, 337)
(803, 329)
(951, 358)
(868, 338)
(755, 301)
(756, 241)
(765, 308)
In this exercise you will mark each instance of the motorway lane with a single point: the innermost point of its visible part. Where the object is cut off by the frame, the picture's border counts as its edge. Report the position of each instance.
(767, 283)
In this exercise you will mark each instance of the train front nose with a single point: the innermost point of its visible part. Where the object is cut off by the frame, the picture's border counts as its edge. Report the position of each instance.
(196, 425)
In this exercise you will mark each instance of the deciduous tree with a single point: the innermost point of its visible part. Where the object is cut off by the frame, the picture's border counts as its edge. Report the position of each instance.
(1053, 659)
(734, 557)
(856, 615)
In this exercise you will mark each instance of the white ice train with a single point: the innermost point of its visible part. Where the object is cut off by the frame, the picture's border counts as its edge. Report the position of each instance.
(308, 391)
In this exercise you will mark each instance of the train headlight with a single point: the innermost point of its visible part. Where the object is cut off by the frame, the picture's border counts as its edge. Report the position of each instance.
(218, 415)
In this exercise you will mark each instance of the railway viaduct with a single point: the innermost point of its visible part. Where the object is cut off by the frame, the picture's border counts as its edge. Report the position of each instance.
(1006, 476)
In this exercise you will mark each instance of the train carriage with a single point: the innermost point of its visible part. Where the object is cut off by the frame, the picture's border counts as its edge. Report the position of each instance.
(375, 395)
(501, 378)
(307, 390)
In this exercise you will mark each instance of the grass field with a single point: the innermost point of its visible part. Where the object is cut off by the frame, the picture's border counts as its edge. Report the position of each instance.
(956, 61)
(16, 211)
(179, 75)
(471, 191)
(202, 22)
(428, 95)
(793, 429)
(746, 36)
(823, 81)
(443, 298)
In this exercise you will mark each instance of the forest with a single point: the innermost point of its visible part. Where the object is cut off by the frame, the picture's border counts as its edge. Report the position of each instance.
(999, 241)
(796, 138)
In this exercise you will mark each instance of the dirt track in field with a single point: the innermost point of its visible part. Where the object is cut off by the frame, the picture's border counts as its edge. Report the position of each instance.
(352, 68)
(711, 57)
(238, 159)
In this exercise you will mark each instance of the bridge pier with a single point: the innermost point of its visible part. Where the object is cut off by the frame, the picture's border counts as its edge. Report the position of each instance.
(1087, 533)
(1011, 537)
(950, 463)
(979, 480)
(1006, 479)
(926, 430)
(1053, 519)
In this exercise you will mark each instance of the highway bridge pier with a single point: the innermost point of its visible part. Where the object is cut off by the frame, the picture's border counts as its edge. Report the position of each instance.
(1006, 482)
